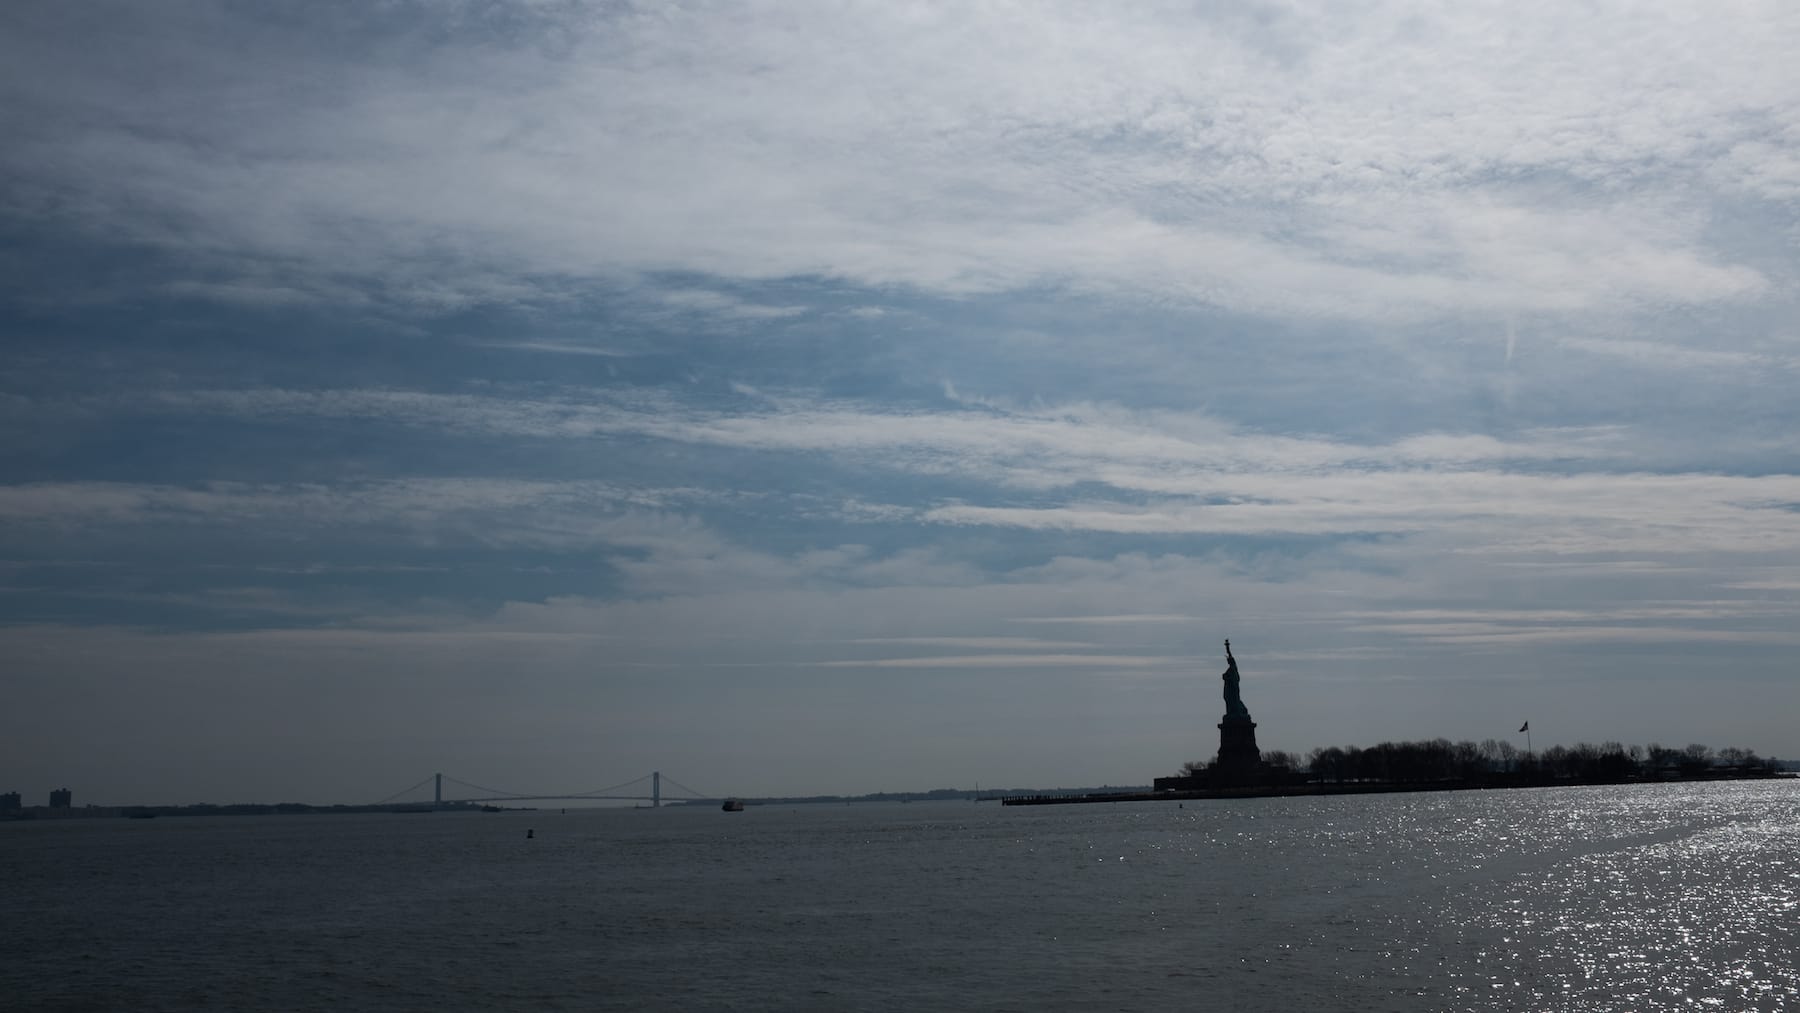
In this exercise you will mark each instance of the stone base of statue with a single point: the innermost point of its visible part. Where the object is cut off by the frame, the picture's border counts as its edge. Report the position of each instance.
(1239, 762)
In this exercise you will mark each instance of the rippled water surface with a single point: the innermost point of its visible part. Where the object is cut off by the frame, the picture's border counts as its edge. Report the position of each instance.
(1629, 898)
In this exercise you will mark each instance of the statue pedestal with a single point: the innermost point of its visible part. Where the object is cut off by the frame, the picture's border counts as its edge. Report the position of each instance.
(1239, 762)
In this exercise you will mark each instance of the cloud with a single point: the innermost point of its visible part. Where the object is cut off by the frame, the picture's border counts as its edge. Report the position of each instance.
(969, 661)
(723, 304)
(1494, 511)
(1075, 441)
(1479, 634)
(1110, 620)
(994, 643)
(1077, 468)
(1660, 355)
(476, 511)
(1369, 164)
(558, 348)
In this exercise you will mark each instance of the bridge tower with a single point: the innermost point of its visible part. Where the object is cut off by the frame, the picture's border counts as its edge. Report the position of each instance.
(655, 789)
(437, 797)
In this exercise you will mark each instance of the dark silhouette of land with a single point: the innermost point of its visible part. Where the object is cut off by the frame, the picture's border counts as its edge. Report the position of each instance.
(944, 795)
(1441, 765)
(1241, 770)
(143, 812)
(303, 809)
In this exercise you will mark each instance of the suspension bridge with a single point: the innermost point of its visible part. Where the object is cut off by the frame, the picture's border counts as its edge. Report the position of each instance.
(644, 788)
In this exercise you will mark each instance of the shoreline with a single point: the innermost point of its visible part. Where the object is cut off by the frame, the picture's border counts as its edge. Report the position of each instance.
(1365, 788)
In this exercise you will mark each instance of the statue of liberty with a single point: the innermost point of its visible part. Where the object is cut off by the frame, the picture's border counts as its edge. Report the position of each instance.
(1234, 704)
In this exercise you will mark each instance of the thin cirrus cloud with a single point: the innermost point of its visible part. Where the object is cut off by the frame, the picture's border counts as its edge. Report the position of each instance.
(1028, 661)
(994, 643)
(1202, 477)
(1094, 434)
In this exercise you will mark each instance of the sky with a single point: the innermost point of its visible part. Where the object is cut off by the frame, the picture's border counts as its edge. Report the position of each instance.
(831, 398)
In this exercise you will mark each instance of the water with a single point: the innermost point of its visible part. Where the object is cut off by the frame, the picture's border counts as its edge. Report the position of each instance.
(1617, 898)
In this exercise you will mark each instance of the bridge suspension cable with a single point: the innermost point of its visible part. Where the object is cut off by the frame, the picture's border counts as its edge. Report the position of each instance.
(606, 792)
(414, 788)
(697, 794)
(496, 792)
(612, 787)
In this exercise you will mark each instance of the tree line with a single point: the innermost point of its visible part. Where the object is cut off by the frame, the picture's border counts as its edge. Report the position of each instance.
(1495, 759)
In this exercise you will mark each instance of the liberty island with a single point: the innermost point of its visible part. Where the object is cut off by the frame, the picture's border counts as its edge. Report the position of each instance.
(1239, 769)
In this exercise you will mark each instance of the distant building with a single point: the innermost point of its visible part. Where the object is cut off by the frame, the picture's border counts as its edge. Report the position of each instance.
(10, 801)
(59, 798)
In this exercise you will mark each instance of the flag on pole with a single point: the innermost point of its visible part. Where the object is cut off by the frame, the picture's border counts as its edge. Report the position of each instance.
(1525, 727)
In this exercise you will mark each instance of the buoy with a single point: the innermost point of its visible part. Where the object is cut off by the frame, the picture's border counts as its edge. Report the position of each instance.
(529, 834)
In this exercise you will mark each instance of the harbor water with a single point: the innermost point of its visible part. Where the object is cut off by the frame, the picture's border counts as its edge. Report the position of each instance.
(1631, 898)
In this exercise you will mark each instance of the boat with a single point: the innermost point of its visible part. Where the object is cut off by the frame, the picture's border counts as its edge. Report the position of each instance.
(733, 805)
